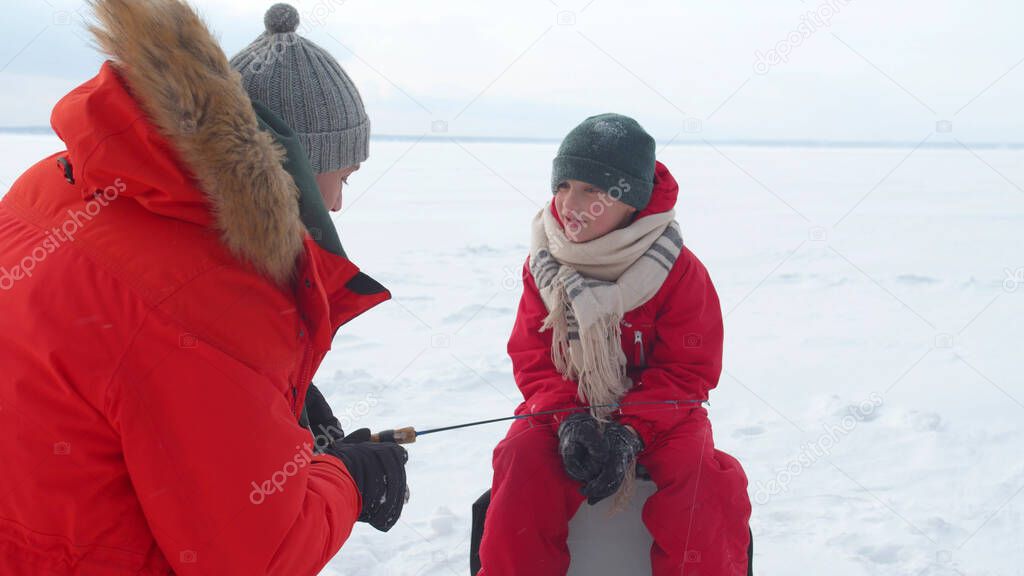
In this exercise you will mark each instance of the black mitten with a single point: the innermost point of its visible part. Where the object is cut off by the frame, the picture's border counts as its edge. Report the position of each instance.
(623, 447)
(582, 446)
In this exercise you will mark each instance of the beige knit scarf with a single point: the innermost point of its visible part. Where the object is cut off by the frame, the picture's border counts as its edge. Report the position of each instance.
(587, 287)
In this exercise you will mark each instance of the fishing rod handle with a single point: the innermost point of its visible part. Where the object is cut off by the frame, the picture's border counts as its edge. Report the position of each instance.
(405, 435)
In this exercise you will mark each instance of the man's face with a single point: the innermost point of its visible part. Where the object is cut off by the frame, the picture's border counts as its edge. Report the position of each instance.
(331, 184)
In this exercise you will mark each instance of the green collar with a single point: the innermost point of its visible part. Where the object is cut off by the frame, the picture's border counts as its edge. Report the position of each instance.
(312, 211)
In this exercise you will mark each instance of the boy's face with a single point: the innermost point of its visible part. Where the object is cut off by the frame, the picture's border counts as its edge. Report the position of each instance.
(588, 212)
(331, 183)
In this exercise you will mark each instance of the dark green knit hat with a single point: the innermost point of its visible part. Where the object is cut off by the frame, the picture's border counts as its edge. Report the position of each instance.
(612, 152)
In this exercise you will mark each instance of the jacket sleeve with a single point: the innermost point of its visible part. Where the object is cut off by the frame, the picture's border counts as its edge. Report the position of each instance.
(543, 387)
(223, 471)
(686, 360)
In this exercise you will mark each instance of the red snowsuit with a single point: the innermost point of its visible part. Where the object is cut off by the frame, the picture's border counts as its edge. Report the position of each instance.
(673, 343)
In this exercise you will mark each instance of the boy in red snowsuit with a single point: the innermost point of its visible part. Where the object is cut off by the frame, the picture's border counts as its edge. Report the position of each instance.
(619, 320)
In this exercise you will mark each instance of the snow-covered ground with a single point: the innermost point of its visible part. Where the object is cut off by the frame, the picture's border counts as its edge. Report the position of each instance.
(872, 387)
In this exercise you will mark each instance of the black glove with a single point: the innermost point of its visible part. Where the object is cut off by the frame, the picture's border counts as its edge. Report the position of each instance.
(360, 435)
(623, 446)
(583, 447)
(318, 417)
(379, 472)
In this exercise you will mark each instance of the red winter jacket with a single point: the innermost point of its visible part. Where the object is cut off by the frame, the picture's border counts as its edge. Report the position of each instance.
(154, 363)
(673, 342)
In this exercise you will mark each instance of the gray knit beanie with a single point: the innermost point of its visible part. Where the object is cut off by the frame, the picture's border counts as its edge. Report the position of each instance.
(306, 87)
(612, 152)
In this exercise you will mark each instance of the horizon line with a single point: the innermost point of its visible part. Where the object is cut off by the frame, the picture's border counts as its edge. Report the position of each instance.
(753, 142)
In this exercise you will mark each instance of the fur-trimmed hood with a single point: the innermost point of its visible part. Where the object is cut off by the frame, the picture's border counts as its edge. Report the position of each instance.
(190, 128)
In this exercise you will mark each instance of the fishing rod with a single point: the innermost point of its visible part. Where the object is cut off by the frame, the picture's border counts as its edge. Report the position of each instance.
(409, 434)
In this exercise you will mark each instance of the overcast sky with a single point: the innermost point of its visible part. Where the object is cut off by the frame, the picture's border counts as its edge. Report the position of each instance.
(687, 69)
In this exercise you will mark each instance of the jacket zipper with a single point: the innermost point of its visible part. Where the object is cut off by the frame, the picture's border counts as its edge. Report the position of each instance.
(303, 370)
(638, 339)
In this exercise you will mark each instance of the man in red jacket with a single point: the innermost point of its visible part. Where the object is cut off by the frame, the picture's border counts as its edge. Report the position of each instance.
(619, 331)
(163, 307)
